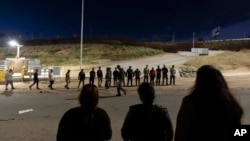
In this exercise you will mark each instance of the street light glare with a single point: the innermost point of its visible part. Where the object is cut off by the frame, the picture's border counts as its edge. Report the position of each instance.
(13, 43)
(17, 45)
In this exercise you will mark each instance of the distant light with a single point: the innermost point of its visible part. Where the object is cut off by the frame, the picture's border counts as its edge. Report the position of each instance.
(13, 43)
(17, 45)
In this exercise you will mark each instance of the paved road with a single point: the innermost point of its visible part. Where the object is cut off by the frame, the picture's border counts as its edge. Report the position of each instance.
(48, 107)
(44, 110)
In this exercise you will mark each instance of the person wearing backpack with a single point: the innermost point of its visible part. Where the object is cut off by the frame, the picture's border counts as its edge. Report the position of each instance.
(147, 121)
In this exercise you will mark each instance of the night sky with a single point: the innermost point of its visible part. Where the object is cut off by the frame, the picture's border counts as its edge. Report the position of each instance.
(136, 19)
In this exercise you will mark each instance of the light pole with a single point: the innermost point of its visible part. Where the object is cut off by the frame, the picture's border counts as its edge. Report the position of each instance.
(193, 38)
(81, 34)
(17, 45)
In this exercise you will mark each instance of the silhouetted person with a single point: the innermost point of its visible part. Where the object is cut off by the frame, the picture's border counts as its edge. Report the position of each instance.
(81, 78)
(172, 75)
(9, 79)
(120, 82)
(130, 75)
(108, 77)
(92, 76)
(146, 73)
(67, 79)
(152, 76)
(115, 75)
(137, 76)
(86, 122)
(164, 75)
(35, 79)
(158, 75)
(209, 111)
(51, 79)
(146, 121)
(99, 77)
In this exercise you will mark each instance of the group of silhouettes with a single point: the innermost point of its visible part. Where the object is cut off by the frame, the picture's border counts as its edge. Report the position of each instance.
(158, 76)
(118, 76)
(207, 113)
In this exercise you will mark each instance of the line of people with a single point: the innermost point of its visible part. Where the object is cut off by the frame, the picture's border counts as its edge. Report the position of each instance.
(208, 112)
(152, 76)
(118, 76)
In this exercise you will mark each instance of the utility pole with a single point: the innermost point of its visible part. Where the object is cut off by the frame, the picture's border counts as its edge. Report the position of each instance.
(81, 34)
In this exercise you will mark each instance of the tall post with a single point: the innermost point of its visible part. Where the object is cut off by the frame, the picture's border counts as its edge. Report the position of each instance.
(18, 52)
(193, 38)
(81, 34)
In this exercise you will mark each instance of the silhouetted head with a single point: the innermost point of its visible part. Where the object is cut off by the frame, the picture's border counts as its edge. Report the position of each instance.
(147, 93)
(211, 90)
(89, 98)
(210, 80)
(118, 66)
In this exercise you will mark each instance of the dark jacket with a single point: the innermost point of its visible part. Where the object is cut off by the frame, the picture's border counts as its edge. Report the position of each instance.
(147, 123)
(76, 126)
(81, 75)
(35, 77)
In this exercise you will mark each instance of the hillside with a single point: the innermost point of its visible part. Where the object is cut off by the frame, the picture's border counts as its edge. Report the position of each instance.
(69, 54)
(98, 51)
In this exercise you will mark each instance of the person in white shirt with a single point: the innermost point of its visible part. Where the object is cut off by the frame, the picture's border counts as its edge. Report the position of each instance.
(9, 79)
(172, 75)
(146, 74)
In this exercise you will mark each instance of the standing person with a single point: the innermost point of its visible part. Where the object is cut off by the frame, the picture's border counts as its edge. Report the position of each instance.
(86, 122)
(158, 75)
(152, 76)
(146, 73)
(92, 76)
(210, 111)
(164, 75)
(51, 79)
(108, 77)
(35, 80)
(99, 77)
(146, 121)
(115, 75)
(81, 78)
(130, 75)
(137, 76)
(67, 79)
(172, 75)
(120, 82)
(9, 79)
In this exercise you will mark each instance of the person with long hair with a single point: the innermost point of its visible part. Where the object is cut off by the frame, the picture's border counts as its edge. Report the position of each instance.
(147, 121)
(210, 111)
(86, 122)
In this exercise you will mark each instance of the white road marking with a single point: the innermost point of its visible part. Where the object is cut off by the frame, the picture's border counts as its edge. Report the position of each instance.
(25, 111)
